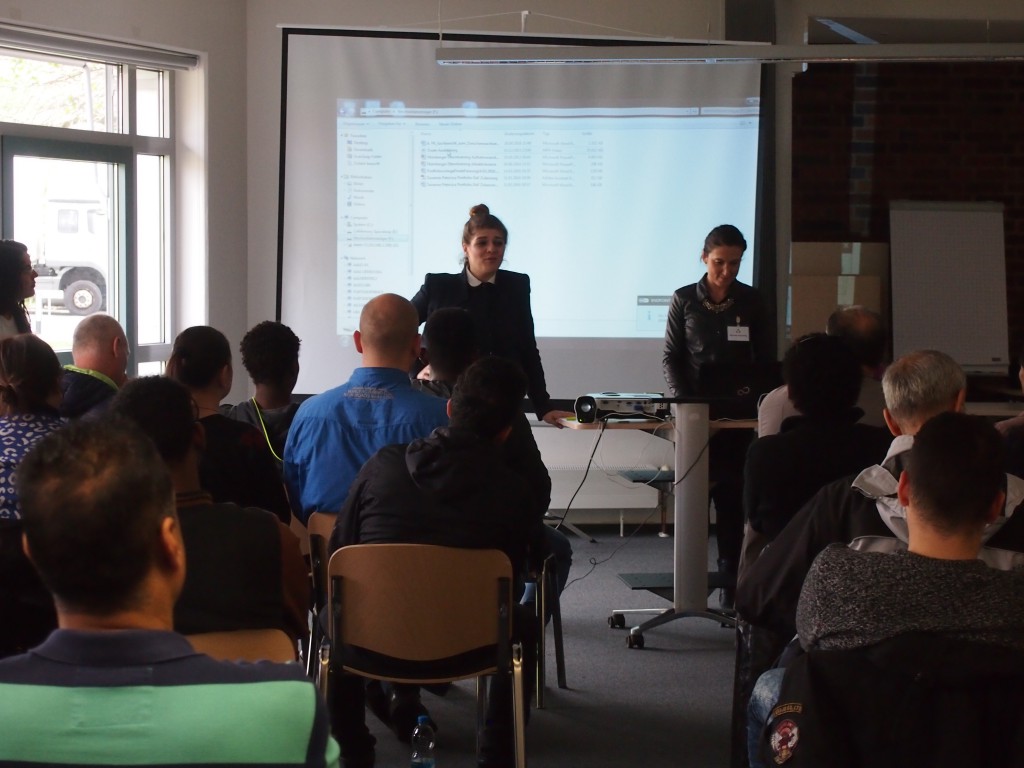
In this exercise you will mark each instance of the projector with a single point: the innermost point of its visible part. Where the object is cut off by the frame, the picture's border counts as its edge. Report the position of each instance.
(599, 406)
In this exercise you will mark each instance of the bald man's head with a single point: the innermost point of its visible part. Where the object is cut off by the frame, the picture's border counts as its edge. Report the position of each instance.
(387, 335)
(99, 344)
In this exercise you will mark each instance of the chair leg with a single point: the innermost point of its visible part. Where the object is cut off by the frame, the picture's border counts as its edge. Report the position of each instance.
(540, 604)
(481, 709)
(323, 676)
(556, 626)
(518, 705)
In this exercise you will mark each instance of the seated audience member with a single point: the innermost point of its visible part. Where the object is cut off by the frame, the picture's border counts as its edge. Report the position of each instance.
(270, 354)
(452, 489)
(449, 339)
(334, 433)
(100, 351)
(237, 464)
(244, 566)
(29, 398)
(951, 487)
(824, 442)
(863, 332)
(864, 510)
(115, 685)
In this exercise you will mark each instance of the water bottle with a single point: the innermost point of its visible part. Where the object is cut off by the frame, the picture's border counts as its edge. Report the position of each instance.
(423, 744)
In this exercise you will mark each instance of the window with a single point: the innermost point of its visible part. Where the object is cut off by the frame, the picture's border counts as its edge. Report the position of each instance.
(87, 141)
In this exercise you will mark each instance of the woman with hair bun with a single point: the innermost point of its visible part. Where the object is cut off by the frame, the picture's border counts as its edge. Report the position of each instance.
(236, 465)
(17, 283)
(29, 398)
(498, 300)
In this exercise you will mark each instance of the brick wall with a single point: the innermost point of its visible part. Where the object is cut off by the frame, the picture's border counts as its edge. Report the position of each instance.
(866, 134)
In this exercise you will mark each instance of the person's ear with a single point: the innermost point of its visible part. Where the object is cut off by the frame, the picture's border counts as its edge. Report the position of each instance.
(448, 409)
(961, 398)
(903, 489)
(502, 436)
(891, 423)
(357, 337)
(996, 510)
(172, 546)
(26, 549)
(226, 377)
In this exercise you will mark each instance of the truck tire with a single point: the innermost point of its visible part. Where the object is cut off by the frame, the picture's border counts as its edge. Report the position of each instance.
(83, 297)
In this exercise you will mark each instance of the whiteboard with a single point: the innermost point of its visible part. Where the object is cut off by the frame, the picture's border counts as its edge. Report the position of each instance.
(948, 265)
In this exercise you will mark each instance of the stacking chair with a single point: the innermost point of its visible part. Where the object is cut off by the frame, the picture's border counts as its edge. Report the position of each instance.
(547, 596)
(420, 614)
(319, 528)
(245, 645)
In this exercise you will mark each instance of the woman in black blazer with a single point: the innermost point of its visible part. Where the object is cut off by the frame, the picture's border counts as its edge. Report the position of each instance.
(498, 300)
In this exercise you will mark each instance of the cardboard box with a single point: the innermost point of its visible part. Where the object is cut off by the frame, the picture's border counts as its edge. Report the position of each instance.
(840, 259)
(814, 297)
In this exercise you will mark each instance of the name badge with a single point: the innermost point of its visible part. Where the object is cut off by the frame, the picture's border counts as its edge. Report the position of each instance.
(739, 333)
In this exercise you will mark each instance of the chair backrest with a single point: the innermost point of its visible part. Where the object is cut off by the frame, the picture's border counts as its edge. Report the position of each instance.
(419, 603)
(319, 526)
(246, 645)
(916, 699)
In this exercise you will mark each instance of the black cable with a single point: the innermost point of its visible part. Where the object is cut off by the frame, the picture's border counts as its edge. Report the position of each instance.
(586, 471)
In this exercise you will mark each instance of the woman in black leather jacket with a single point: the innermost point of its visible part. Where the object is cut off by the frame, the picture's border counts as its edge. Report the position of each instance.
(719, 320)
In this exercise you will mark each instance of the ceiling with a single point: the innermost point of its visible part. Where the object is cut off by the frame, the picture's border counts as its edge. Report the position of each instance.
(832, 31)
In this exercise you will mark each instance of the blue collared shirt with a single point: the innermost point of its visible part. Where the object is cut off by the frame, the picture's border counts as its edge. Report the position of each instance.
(334, 433)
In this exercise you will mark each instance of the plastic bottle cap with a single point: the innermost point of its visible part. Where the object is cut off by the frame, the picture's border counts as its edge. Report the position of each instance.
(422, 719)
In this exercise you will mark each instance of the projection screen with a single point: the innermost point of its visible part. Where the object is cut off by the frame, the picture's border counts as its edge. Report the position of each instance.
(608, 178)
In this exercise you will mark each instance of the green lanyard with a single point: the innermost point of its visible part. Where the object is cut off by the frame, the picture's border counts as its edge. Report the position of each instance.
(263, 426)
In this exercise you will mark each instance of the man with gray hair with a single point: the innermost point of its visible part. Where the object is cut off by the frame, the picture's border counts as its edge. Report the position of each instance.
(863, 332)
(864, 511)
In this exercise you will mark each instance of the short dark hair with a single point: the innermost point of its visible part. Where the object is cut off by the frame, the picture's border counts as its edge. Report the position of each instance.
(955, 469)
(724, 235)
(822, 374)
(270, 352)
(93, 496)
(863, 332)
(29, 373)
(198, 355)
(450, 338)
(162, 409)
(488, 397)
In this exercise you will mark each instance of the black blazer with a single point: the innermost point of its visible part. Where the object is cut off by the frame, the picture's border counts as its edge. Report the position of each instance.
(502, 317)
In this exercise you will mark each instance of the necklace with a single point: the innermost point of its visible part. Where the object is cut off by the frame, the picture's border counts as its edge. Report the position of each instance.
(717, 308)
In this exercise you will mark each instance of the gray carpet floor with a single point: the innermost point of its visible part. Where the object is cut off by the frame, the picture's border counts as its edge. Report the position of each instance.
(665, 705)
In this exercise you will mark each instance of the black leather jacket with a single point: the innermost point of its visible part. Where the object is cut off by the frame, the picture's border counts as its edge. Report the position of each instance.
(696, 335)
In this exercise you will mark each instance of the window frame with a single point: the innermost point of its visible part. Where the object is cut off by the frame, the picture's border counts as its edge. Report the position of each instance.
(123, 149)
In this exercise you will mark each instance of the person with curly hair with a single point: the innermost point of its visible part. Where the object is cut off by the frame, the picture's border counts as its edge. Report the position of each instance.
(270, 354)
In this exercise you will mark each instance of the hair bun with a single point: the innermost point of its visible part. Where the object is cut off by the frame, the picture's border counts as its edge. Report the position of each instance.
(478, 211)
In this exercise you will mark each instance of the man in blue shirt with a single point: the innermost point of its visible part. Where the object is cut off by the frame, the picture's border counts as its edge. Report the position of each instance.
(334, 433)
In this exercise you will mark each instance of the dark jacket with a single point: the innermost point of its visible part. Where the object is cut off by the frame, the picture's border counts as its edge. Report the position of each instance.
(916, 699)
(783, 471)
(244, 570)
(450, 489)
(695, 335)
(273, 424)
(768, 593)
(84, 394)
(502, 317)
(237, 466)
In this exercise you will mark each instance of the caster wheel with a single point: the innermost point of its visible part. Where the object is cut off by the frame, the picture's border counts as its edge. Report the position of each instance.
(617, 621)
(635, 641)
